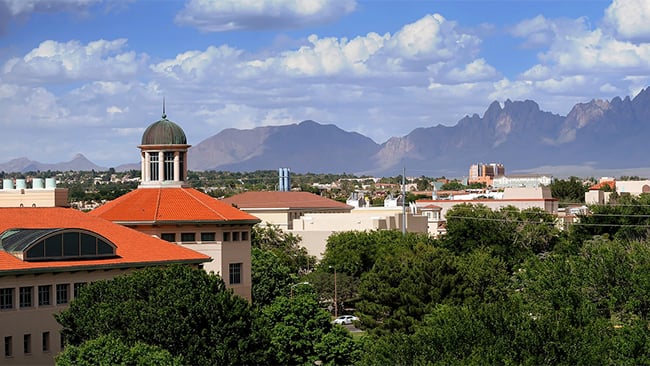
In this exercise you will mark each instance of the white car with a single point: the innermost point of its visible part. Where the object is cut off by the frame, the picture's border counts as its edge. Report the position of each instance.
(345, 319)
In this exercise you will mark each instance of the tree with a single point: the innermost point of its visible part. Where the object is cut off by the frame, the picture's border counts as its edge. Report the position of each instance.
(453, 186)
(569, 191)
(627, 219)
(110, 350)
(183, 310)
(403, 286)
(286, 246)
(271, 276)
(299, 332)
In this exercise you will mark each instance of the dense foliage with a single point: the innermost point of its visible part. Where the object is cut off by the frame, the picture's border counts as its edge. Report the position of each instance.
(501, 287)
(185, 311)
(570, 190)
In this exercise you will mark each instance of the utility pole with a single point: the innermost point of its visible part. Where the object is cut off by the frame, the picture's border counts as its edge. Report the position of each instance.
(336, 304)
(404, 200)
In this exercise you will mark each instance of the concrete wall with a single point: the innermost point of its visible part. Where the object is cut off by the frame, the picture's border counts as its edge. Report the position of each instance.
(36, 320)
(55, 197)
(633, 187)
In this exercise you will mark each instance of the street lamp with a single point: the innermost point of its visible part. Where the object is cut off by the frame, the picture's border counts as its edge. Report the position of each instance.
(336, 307)
(297, 284)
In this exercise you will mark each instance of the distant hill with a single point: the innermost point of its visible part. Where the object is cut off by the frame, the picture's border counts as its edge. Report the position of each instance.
(78, 162)
(598, 135)
(304, 147)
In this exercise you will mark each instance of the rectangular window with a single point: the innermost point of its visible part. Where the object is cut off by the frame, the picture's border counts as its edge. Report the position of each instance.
(44, 295)
(46, 341)
(169, 165)
(235, 273)
(188, 237)
(62, 293)
(235, 236)
(171, 237)
(6, 298)
(27, 344)
(244, 235)
(226, 236)
(25, 296)
(9, 346)
(208, 237)
(153, 165)
(77, 288)
(181, 165)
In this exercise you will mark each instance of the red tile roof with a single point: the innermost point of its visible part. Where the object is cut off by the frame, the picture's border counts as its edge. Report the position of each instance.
(169, 205)
(287, 200)
(133, 248)
(610, 183)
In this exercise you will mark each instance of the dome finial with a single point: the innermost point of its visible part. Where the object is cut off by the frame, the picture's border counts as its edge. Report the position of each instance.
(164, 115)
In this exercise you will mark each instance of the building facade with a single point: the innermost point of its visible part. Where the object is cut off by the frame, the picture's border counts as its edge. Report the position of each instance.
(484, 173)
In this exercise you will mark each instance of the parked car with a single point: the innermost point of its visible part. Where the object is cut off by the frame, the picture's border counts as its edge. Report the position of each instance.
(345, 319)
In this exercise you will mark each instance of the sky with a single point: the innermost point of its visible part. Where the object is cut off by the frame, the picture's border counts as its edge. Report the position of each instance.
(88, 76)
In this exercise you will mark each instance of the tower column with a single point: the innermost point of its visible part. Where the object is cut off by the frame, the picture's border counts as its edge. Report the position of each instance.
(143, 163)
(161, 166)
(146, 171)
(177, 167)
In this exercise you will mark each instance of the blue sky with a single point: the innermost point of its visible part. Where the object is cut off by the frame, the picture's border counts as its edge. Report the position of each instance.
(88, 76)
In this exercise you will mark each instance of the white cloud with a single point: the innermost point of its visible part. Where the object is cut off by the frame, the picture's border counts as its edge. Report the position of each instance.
(228, 15)
(630, 19)
(24, 7)
(431, 44)
(56, 61)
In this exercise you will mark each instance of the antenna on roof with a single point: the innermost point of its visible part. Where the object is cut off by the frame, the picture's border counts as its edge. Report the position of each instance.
(164, 115)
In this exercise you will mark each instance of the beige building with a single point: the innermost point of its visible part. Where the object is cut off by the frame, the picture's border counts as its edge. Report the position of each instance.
(521, 198)
(281, 208)
(47, 254)
(315, 229)
(164, 206)
(596, 195)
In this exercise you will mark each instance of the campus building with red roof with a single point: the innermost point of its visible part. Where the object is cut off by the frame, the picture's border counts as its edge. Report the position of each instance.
(47, 254)
(166, 207)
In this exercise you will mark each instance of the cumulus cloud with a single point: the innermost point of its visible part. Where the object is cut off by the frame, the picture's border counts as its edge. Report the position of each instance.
(430, 45)
(577, 56)
(629, 19)
(229, 15)
(54, 61)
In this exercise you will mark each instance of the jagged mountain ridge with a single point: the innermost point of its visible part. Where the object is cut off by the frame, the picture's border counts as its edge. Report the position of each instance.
(598, 133)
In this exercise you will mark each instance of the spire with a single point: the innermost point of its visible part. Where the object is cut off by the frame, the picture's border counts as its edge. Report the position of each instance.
(164, 116)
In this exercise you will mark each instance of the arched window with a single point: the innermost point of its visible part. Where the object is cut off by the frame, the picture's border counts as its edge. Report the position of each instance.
(56, 244)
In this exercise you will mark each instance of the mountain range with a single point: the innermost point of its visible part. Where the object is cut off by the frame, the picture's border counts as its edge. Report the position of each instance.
(596, 136)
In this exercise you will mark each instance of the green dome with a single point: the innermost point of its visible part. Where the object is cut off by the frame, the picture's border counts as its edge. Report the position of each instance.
(164, 132)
